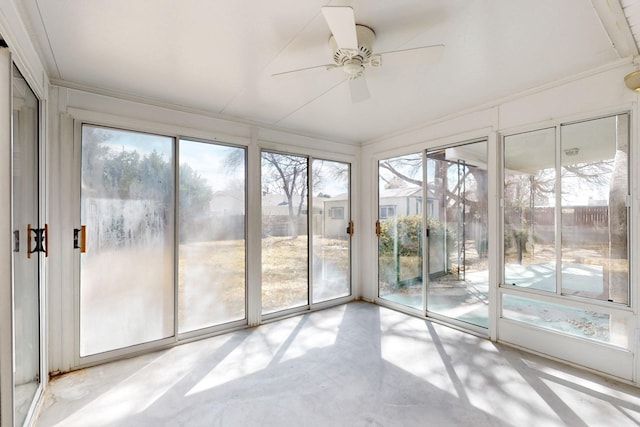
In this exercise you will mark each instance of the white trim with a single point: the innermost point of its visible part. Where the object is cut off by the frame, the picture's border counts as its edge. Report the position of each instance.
(568, 300)
(435, 143)
(499, 102)
(615, 24)
(6, 297)
(254, 232)
(621, 108)
(324, 154)
(24, 54)
(150, 102)
(494, 172)
(600, 357)
(634, 233)
(156, 128)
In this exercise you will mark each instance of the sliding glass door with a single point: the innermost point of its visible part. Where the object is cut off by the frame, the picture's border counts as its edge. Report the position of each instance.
(285, 236)
(162, 246)
(127, 268)
(438, 198)
(211, 232)
(332, 229)
(306, 231)
(163, 243)
(29, 247)
(399, 229)
(457, 233)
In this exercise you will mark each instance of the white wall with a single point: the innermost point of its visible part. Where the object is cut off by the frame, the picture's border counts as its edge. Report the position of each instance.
(589, 95)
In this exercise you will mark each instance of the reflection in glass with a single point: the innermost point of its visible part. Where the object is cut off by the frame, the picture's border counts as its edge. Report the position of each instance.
(457, 220)
(126, 275)
(285, 250)
(331, 242)
(595, 185)
(590, 324)
(400, 240)
(529, 210)
(25, 209)
(211, 232)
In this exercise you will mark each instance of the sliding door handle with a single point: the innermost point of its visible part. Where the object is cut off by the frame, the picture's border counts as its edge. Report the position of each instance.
(41, 238)
(29, 241)
(80, 238)
(45, 239)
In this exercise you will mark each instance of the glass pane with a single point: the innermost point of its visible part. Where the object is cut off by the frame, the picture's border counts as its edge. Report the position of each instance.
(589, 324)
(331, 242)
(212, 235)
(400, 240)
(26, 300)
(126, 274)
(529, 210)
(457, 218)
(285, 250)
(595, 185)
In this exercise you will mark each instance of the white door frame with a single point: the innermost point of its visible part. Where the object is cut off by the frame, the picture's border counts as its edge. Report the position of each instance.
(6, 301)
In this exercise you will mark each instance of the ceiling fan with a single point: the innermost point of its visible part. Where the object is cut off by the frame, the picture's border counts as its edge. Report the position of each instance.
(352, 48)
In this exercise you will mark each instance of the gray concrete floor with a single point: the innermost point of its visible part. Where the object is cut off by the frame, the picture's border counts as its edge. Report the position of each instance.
(353, 365)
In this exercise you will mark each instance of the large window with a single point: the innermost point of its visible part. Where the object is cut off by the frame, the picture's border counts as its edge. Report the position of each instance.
(529, 210)
(566, 202)
(595, 189)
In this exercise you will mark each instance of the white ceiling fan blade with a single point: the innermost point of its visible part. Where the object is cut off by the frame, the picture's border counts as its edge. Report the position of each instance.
(415, 56)
(359, 90)
(342, 23)
(315, 67)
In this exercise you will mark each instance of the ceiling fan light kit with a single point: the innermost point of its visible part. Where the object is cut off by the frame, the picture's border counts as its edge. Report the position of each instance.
(352, 50)
(353, 61)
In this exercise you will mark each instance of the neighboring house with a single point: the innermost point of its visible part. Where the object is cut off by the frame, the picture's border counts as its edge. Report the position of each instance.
(227, 203)
(336, 215)
(331, 214)
(392, 202)
(400, 202)
(276, 220)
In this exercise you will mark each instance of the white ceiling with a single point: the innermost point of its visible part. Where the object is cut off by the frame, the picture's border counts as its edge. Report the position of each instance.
(219, 56)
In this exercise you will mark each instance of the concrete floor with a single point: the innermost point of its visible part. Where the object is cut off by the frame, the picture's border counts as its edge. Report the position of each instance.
(353, 365)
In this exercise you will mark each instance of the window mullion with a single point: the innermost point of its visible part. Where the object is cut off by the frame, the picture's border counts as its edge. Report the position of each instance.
(558, 211)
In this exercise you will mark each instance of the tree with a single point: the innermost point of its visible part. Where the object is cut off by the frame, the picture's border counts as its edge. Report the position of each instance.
(466, 191)
(287, 174)
(131, 174)
(195, 198)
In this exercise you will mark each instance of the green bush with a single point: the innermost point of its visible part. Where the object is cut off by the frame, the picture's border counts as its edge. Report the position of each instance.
(408, 232)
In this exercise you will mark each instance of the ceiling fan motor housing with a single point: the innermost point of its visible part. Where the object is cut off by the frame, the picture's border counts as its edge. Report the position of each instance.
(353, 62)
